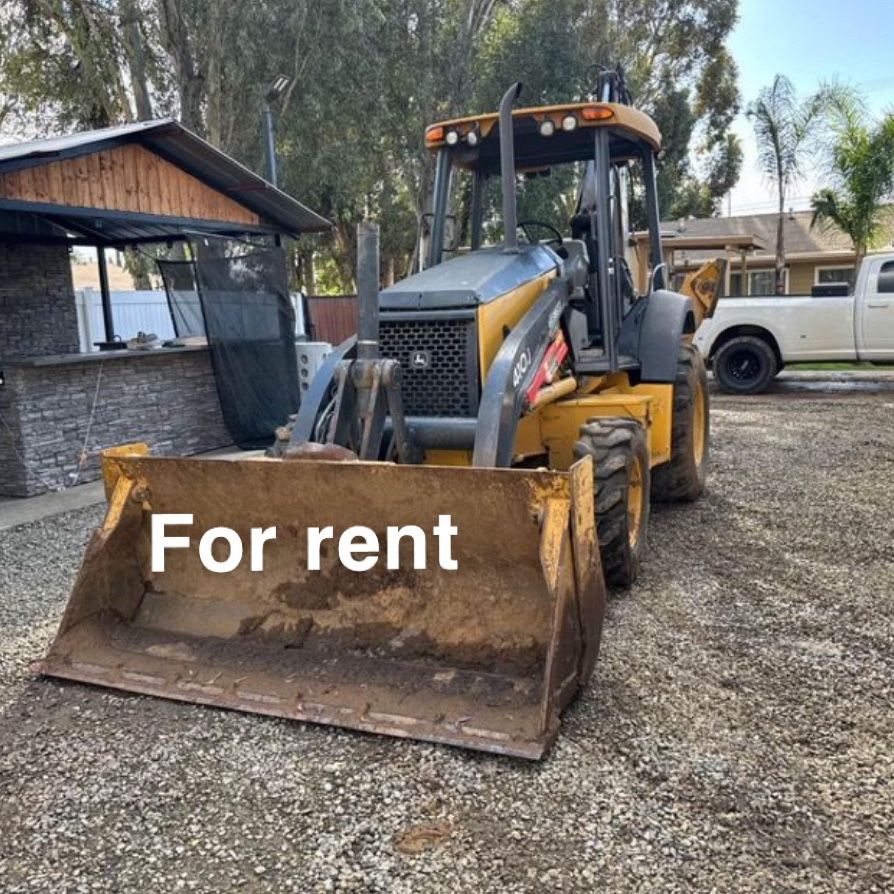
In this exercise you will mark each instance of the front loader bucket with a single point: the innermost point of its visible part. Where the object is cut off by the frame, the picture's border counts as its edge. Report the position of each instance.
(484, 656)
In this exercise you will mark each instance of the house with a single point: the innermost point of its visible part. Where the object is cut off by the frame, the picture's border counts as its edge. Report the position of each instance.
(813, 255)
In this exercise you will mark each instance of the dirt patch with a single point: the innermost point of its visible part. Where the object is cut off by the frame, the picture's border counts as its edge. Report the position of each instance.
(417, 839)
(735, 737)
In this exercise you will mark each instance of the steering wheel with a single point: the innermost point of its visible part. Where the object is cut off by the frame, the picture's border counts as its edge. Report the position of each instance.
(556, 240)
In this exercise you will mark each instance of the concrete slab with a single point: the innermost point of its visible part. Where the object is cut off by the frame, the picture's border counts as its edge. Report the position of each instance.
(831, 381)
(24, 510)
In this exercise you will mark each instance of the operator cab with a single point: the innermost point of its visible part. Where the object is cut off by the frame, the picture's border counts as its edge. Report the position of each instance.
(576, 161)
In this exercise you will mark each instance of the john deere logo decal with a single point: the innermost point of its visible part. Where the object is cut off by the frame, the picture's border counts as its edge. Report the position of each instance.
(420, 359)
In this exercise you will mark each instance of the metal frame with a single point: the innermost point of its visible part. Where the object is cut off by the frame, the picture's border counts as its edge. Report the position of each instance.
(600, 231)
(441, 193)
(476, 212)
(46, 209)
(605, 312)
(504, 389)
(105, 295)
(654, 218)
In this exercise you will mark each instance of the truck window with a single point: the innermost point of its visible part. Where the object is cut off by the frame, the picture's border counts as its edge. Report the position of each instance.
(886, 277)
(826, 275)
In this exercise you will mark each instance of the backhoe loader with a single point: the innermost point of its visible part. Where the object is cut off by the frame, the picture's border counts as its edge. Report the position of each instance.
(529, 391)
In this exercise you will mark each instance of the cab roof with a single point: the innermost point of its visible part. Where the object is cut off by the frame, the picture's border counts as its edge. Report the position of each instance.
(631, 131)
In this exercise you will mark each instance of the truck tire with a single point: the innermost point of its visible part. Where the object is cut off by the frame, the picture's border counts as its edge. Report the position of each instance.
(744, 365)
(621, 480)
(682, 479)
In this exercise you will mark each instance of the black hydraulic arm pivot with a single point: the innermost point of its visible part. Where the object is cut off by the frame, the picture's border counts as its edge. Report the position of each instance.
(368, 387)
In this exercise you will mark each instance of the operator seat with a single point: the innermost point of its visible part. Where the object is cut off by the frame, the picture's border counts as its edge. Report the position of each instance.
(577, 265)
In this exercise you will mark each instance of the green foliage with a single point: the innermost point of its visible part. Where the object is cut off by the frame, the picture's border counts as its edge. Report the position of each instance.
(784, 126)
(861, 169)
(368, 75)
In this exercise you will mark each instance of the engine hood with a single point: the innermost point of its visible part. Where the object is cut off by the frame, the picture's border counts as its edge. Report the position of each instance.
(469, 280)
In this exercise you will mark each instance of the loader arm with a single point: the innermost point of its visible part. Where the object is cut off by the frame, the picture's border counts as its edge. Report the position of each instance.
(704, 287)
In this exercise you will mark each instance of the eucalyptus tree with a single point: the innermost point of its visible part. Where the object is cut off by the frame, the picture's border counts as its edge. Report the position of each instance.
(366, 77)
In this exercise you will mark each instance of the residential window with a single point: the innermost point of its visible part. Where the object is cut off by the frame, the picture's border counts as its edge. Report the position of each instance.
(760, 282)
(823, 275)
(886, 277)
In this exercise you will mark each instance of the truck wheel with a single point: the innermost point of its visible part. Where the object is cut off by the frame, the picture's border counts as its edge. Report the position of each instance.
(621, 478)
(744, 365)
(682, 479)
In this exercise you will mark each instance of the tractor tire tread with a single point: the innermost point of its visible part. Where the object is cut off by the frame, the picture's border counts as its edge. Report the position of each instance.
(614, 442)
(682, 479)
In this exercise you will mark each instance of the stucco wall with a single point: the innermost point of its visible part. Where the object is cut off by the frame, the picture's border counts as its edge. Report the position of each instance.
(800, 278)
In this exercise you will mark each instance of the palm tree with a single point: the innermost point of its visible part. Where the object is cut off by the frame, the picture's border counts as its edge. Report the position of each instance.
(783, 126)
(860, 168)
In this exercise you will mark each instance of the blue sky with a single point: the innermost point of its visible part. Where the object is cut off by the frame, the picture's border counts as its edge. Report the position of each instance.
(809, 42)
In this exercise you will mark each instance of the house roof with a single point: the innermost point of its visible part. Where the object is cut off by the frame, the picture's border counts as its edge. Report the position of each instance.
(800, 237)
(173, 142)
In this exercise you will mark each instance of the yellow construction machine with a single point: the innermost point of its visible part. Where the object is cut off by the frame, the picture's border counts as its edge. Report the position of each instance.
(438, 524)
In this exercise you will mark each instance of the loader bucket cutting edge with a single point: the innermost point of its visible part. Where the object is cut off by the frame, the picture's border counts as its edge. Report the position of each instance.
(485, 656)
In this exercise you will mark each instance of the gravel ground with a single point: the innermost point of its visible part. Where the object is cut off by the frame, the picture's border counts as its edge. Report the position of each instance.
(737, 734)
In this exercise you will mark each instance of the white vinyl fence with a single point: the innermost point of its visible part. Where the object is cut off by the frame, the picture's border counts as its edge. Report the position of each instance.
(134, 312)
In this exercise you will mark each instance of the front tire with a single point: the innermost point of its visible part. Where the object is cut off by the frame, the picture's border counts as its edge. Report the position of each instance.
(682, 479)
(621, 482)
(744, 365)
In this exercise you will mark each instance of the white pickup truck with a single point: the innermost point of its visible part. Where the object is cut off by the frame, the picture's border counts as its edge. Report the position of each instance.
(748, 340)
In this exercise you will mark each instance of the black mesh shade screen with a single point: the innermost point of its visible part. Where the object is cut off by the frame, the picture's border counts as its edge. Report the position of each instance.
(250, 324)
(183, 297)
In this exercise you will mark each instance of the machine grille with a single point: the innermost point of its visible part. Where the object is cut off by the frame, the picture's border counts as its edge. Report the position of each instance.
(438, 358)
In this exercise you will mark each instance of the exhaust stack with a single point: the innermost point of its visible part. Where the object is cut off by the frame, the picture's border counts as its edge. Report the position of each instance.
(507, 169)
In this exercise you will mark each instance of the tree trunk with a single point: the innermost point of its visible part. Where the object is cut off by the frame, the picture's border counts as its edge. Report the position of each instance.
(175, 39)
(346, 256)
(780, 243)
(136, 58)
(91, 42)
(213, 60)
(138, 266)
(308, 274)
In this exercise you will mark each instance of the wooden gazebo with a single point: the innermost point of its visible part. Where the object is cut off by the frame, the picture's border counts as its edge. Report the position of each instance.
(121, 186)
(146, 182)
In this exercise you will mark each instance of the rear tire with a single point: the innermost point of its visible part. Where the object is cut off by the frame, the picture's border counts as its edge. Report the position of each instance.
(621, 481)
(683, 478)
(744, 365)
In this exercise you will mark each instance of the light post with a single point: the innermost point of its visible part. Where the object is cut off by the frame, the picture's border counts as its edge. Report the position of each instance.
(277, 88)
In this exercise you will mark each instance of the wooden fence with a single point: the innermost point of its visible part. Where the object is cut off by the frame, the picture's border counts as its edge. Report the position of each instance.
(333, 317)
